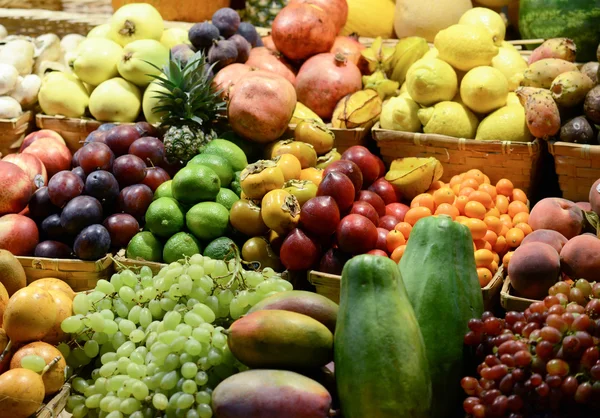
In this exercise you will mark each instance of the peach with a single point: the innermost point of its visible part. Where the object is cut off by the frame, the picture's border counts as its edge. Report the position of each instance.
(533, 269)
(580, 258)
(557, 214)
(585, 206)
(15, 188)
(594, 197)
(55, 156)
(18, 234)
(43, 133)
(32, 166)
(554, 239)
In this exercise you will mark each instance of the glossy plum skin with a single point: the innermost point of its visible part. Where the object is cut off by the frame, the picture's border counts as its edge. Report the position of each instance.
(374, 200)
(51, 229)
(64, 186)
(365, 209)
(134, 200)
(120, 138)
(320, 216)
(40, 205)
(151, 150)
(121, 227)
(52, 249)
(95, 156)
(338, 186)
(155, 176)
(348, 168)
(103, 186)
(92, 243)
(129, 169)
(79, 213)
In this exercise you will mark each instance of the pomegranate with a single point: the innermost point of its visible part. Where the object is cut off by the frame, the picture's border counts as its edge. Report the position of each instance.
(397, 210)
(385, 190)
(228, 76)
(261, 106)
(302, 30)
(348, 168)
(324, 80)
(351, 48)
(18, 234)
(366, 161)
(15, 188)
(333, 261)
(32, 166)
(356, 234)
(299, 251)
(337, 9)
(268, 60)
(367, 210)
(55, 156)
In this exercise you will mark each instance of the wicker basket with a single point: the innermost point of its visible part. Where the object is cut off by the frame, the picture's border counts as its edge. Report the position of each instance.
(87, 6)
(577, 167)
(518, 161)
(328, 285)
(55, 406)
(520, 44)
(122, 262)
(80, 275)
(32, 4)
(12, 132)
(74, 131)
(344, 138)
(509, 301)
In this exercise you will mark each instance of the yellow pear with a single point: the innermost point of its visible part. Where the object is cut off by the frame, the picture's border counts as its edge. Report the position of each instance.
(150, 101)
(136, 21)
(63, 94)
(174, 36)
(96, 60)
(100, 31)
(116, 100)
(134, 64)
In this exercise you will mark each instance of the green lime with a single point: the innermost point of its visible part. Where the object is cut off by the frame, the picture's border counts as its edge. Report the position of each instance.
(236, 184)
(219, 164)
(229, 151)
(252, 150)
(144, 245)
(164, 217)
(164, 190)
(220, 249)
(195, 183)
(207, 220)
(227, 198)
(179, 246)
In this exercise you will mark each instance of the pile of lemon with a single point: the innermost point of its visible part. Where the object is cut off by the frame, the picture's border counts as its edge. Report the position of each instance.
(464, 86)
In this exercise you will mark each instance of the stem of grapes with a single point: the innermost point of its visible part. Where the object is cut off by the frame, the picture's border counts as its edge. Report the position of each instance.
(6, 350)
(51, 364)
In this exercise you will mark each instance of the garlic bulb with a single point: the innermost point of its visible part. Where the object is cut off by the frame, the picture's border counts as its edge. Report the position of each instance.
(9, 108)
(8, 78)
(47, 47)
(27, 90)
(20, 54)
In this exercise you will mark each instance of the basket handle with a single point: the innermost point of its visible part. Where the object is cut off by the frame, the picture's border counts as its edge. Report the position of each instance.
(39, 264)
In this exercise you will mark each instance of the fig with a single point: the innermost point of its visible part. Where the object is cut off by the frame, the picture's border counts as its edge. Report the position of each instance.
(248, 31)
(183, 53)
(202, 35)
(222, 53)
(227, 21)
(578, 130)
(591, 105)
(243, 48)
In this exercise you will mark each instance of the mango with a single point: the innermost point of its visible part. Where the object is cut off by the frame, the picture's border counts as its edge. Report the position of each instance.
(270, 393)
(310, 304)
(281, 340)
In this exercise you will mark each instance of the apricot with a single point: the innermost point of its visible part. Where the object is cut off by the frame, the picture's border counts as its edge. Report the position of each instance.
(533, 269)
(554, 239)
(579, 258)
(558, 214)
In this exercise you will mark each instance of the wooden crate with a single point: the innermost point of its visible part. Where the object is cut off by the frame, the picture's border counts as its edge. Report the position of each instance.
(80, 275)
(344, 138)
(54, 408)
(577, 167)
(517, 161)
(13, 131)
(509, 301)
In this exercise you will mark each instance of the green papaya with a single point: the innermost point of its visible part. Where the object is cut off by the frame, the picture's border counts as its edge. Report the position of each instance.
(439, 273)
(278, 339)
(380, 362)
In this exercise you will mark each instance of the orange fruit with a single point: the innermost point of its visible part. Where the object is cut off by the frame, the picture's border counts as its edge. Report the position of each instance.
(436, 185)
(482, 197)
(477, 227)
(515, 207)
(405, 228)
(456, 180)
(525, 228)
(483, 258)
(501, 245)
(447, 209)
(476, 175)
(506, 259)
(502, 204)
(491, 237)
(494, 224)
(506, 220)
(461, 219)
(505, 187)
(521, 217)
(398, 253)
(493, 267)
(484, 275)
(423, 200)
(489, 189)
(414, 214)
(486, 179)
(469, 182)
(475, 210)
(481, 244)
(460, 203)
(394, 239)
(496, 257)
(443, 195)
(493, 212)
(519, 195)
(456, 189)
(514, 236)
(466, 191)
(504, 230)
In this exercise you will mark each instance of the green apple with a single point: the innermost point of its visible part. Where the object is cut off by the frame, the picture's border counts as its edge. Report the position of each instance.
(174, 36)
(136, 21)
(150, 101)
(134, 64)
(96, 60)
(116, 100)
(63, 94)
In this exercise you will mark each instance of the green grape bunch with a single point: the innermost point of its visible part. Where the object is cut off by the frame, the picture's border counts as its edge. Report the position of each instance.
(148, 346)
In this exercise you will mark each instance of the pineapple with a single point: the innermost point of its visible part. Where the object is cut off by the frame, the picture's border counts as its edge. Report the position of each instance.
(191, 106)
(262, 12)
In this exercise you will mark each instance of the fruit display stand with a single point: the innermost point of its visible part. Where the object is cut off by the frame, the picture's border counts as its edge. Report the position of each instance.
(509, 301)
(517, 160)
(577, 167)
(12, 132)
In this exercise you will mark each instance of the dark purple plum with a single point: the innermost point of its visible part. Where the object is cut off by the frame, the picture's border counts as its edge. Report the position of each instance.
(53, 249)
(80, 173)
(96, 136)
(121, 227)
(222, 53)
(202, 35)
(52, 229)
(248, 31)
(120, 138)
(146, 129)
(105, 127)
(64, 186)
(183, 53)
(40, 205)
(103, 186)
(150, 149)
(81, 212)
(129, 169)
(134, 200)
(243, 48)
(227, 21)
(155, 176)
(92, 243)
(96, 156)
(75, 158)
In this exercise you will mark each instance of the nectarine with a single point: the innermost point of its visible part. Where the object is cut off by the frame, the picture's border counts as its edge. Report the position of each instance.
(15, 188)
(580, 258)
(557, 214)
(533, 269)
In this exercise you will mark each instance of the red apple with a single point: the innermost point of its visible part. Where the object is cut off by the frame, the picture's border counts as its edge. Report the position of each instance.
(299, 251)
(348, 168)
(374, 200)
(338, 186)
(333, 261)
(367, 162)
(382, 234)
(32, 166)
(365, 209)
(18, 234)
(385, 190)
(55, 156)
(388, 222)
(43, 133)
(397, 210)
(320, 216)
(15, 188)
(378, 252)
(356, 234)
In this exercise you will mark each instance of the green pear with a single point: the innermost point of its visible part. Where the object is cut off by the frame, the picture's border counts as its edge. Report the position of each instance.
(136, 21)
(63, 94)
(96, 60)
(151, 100)
(134, 64)
(100, 31)
(116, 100)
(174, 36)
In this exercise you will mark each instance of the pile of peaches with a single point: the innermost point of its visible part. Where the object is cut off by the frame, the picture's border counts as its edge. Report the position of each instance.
(497, 216)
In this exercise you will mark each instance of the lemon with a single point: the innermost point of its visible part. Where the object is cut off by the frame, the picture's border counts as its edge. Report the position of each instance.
(207, 220)
(488, 18)
(144, 245)
(179, 246)
(400, 114)
(449, 118)
(508, 45)
(432, 53)
(507, 124)
(466, 46)
(430, 81)
(513, 99)
(164, 217)
(510, 63)
(484, 89)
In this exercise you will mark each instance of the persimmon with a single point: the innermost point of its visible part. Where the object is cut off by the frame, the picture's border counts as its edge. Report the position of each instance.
(505, 187)
(447, 209)
(475, 210)
(414, 214)
(514, 237)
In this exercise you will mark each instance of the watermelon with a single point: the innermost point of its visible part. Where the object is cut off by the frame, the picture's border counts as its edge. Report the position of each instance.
(578, 20)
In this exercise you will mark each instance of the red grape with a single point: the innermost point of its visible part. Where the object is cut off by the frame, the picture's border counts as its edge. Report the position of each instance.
(577, 296)
(499, 406)
(585, 339)
(569, 386)
(557, 367)
(151, 150)
(64, 186)
(508, 360)
(544, 350)
(155, 176)
(469, 403)
(121, 227)
(129, 169)
(583, 393)
(518, 375)
(507, 347)
(564, 299)
(538, 307)
(553, 381)
(472, 338)
(513, 317)
(522, 358)
(489, 396)
(475, 325)
(543, 389)
(550, 301)
(468, 383)
(479, 411)
(551, 335)
(571, 346)
(562, 287)
(557, 309)
(134, 200)
(493, 326)
(518, 327)
(595, 372)
(536, 379)
(506, 384)
(584, 286)
(96, 156)
(593, 308)
(568, 317)
(120, 138)
(528, 329)
(491, 360)
(514, 403)
(596, 290)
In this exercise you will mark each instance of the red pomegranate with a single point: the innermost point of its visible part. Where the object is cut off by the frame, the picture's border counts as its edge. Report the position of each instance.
(324, 80)
(228, 76)
(351, 48)
(338, 9)
(15, 188)
(32, 166)
(18, 234)
(268, 60)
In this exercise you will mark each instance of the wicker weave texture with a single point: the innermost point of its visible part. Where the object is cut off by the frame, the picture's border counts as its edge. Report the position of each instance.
(577, 167)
